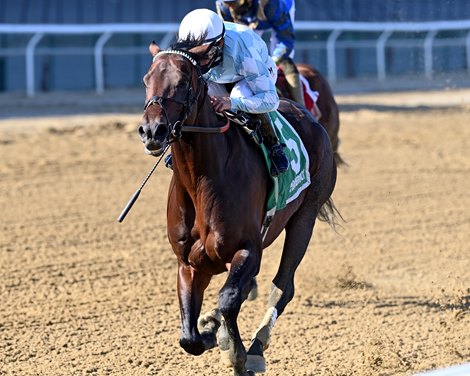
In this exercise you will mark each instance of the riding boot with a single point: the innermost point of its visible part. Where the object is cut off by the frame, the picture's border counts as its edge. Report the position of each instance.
(279, 161)
(293, 80)
(169, 162)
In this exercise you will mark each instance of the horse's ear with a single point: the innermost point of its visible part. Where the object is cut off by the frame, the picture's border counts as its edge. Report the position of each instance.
(154, 49)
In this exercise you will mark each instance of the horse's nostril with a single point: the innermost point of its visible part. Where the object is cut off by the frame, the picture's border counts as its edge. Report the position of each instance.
(145, 132)
(161, 131)
(141, 132)
(155, 132)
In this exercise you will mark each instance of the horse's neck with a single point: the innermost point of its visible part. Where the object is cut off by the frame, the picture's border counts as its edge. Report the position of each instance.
(204, 155)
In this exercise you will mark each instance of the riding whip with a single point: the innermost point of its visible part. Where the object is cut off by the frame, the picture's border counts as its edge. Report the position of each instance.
(137, 193)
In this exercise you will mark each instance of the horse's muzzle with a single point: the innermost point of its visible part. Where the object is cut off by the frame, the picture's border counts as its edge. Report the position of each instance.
(154, 136)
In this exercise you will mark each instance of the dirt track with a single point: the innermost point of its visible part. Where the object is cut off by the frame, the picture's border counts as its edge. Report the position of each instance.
(389, 294)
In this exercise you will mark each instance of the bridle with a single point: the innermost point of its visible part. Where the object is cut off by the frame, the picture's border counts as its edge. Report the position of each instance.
(177, 127)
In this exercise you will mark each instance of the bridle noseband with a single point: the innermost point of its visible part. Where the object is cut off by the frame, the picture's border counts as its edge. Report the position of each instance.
(188, 101)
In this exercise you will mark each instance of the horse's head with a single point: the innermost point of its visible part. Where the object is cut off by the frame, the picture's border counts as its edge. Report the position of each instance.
(173, 87)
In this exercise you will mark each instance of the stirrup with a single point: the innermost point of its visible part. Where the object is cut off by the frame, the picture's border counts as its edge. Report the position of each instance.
(279, 160)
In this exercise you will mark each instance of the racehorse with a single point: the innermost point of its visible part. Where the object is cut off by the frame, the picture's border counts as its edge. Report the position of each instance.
(328, 108)
(216, 203)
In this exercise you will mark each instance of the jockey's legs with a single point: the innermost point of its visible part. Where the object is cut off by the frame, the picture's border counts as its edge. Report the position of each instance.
(169, 162)
(280, 162)
(288, 65)
(293, 80)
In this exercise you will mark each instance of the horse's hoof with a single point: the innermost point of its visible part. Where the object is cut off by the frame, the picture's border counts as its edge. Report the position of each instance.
(210, 321)
(255, 363)
(192, 347)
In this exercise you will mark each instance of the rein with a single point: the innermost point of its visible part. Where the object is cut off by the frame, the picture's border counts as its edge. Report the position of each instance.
(187, 103)
(202, 129)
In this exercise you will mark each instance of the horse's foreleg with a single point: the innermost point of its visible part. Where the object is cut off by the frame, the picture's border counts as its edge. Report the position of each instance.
(244, 266)
(191, 286)
(298, 235)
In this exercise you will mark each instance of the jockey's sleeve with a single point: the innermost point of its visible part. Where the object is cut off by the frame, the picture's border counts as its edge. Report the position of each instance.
(257, 76)
(247, 64)
(278, 16)
(264, 98)
(223, 11)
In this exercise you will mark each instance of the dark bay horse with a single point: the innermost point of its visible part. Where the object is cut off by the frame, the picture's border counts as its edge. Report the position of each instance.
(216, 204)
(326, 103)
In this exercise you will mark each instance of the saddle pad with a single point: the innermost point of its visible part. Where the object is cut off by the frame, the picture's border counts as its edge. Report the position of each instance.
(310, 96)
(291, 183)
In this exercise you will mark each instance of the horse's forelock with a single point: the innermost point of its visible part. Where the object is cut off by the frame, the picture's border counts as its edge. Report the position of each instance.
(188, 44)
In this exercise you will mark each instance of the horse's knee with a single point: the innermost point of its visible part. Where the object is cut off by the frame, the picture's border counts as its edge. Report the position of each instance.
(229, 301)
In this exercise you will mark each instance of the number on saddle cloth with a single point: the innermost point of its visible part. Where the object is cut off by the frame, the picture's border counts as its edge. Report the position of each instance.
(291, 183)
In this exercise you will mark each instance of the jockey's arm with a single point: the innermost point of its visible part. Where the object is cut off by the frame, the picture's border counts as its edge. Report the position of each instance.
(278, 17)
(264, 96)
(223, 11)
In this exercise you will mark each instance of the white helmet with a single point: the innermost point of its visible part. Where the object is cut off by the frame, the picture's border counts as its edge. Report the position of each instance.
(200, 22)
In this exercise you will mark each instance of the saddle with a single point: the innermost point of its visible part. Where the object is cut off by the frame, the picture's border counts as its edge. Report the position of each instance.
(249, 123)
(287, 186)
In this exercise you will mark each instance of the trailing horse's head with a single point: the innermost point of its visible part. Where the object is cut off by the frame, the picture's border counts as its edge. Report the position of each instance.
(172, 87)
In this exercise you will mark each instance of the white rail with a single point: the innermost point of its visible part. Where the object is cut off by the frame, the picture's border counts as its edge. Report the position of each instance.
(104, 30)
(335, 29)
(457, 370)
(386, 29)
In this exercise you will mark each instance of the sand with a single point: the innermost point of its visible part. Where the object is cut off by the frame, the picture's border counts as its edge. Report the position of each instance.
(387, 294)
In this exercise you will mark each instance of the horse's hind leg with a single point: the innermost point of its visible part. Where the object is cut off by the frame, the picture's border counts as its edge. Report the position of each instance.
(298, 233)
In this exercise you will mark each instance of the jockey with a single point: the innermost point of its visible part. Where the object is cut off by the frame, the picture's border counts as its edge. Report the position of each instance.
(277, 15)
(238, 56)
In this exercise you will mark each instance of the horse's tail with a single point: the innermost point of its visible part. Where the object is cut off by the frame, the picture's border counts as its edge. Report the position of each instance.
(330, 214)
(339, 159)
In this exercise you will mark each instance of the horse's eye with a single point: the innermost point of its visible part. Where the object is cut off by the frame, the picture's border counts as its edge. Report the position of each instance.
(183, 84)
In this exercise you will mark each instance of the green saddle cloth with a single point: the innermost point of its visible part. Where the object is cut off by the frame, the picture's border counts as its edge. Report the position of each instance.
(287, 186)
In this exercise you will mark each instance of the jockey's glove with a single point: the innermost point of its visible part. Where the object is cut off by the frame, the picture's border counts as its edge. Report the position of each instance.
(279, 52)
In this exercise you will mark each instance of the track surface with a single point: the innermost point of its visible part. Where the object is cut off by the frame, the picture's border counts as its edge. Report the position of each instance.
(389, 294)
